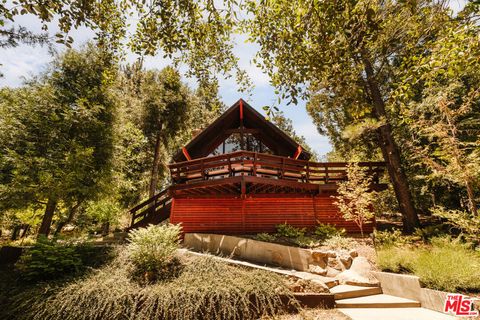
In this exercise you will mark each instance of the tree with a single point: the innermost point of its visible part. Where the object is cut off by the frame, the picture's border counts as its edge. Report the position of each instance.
(105, 17)
(282, 122)
(355, 199)
(165, 104)
(57, 135)
(441, 105)
(165, 113)
(346, 55)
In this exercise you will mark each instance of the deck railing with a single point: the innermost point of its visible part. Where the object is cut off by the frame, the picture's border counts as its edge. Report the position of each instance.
(268, 166)
(150, 206)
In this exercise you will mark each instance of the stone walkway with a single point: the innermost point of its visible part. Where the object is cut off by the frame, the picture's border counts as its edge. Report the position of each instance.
(356, 302)
(367, 303)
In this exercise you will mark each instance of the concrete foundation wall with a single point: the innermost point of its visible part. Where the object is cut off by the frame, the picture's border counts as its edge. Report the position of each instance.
(252, 250)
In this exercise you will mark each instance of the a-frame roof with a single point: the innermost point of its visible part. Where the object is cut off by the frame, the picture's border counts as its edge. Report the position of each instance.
(212, 136)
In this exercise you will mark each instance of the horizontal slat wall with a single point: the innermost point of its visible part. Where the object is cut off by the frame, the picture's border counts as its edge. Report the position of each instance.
(208, 215)
(327, 212)
(263, 214)
(257, 214)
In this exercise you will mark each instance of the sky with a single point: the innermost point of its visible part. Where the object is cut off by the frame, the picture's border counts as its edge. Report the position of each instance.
(24, 61)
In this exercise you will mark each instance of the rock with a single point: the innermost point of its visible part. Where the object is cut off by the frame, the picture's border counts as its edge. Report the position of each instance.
(358, 274)
(331, 254)
(353, 278)
(319, 285)
(302, 285)
(346, 261)
(353, 253)
(317, 270)
(361, 266)
(335, 264)
(319, 258)
(332, 273)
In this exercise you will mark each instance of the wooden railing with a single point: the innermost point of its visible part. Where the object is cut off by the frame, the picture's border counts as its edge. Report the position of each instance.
(150, 206)
(268, 166)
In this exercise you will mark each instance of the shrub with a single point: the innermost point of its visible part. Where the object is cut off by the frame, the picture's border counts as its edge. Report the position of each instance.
(326, 231)
(429, 232)
(355, 198)
(267, 237)
(306, 242)
(390, 238)
(152, 249)
(286, 230)
(467, 223)
(206, 289)
(444, 265)
(339, 242)
(395, 259)
(49, 259)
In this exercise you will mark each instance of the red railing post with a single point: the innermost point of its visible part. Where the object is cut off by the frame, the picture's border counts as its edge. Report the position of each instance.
(308, 172)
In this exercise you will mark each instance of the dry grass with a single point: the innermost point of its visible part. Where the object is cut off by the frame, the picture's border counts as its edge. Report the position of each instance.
(206, 289)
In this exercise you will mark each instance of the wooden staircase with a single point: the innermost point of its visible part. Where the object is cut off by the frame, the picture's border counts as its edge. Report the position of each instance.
(151, 211)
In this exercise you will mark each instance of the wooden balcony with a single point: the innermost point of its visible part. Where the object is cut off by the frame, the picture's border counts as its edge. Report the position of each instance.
(245, 172)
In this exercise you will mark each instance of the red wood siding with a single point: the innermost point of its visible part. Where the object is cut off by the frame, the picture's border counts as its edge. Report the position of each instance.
(256, 214)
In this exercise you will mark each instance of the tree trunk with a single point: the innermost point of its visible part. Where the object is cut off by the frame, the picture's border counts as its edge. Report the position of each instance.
(26, 227)
(471, 198)
(71, 214)
(156, 164)
(15, 232)
(391, 154)
(47, 217)
(105, 228)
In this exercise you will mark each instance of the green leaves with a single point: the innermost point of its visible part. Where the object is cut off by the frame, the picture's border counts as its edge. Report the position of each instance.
(49, 260)
(355, 199)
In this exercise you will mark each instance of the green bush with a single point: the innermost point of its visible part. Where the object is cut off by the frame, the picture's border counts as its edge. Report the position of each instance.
(326, 231)
(306, 242)
(444, 265)
(152, 249)
(394, 237)
(49, 259)
(267, 237)
(289, 231)
(429, 232)
(339, 242)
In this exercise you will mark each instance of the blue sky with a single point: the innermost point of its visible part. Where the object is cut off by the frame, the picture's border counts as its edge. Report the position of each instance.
(24, 61)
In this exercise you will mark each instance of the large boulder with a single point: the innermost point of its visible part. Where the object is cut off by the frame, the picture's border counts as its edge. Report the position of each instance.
(319, 258)
(358, 274)
(317, 270)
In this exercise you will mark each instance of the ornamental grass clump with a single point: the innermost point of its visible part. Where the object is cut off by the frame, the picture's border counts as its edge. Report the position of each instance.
(444, 264)
(152, 250)
(206, 289)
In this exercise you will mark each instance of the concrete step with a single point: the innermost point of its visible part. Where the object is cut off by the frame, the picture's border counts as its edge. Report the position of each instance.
(377, 301)
(345, 291)
(394, 314)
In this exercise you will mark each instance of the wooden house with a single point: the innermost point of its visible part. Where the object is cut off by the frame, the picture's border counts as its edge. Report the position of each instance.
(242, 174)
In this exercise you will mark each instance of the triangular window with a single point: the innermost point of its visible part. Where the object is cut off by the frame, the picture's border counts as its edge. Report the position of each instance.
(234, 143)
